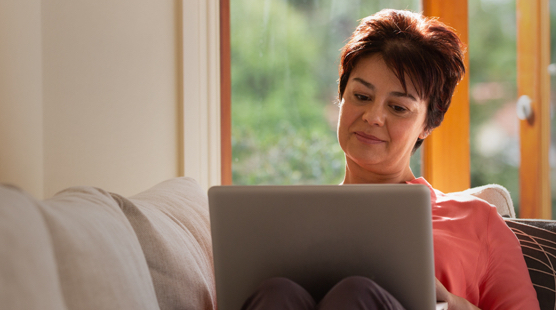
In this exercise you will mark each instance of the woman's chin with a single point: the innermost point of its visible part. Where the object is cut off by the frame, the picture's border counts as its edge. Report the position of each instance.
(370, 163)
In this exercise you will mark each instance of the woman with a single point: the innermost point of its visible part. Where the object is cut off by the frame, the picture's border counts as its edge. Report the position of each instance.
(398, 73)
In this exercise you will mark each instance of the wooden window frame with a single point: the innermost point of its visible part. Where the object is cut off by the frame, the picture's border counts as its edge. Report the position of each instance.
(225, 94)
(533, 80)
(446, 152)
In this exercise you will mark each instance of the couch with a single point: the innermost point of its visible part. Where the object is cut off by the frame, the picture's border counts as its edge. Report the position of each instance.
(86, 248)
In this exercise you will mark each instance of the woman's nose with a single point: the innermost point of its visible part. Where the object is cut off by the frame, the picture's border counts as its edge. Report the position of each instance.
(375, 114)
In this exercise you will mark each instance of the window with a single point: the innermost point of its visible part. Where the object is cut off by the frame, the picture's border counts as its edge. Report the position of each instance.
(284, 102)
(494, 127)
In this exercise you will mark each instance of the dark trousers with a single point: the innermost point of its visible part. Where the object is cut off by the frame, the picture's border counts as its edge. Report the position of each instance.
(352, 293)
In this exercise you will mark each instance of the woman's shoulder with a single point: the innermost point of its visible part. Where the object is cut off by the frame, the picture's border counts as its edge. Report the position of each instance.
(456, 199)
(464, 200)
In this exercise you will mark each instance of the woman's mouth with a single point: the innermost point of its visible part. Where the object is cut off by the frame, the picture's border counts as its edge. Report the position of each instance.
(367, 139)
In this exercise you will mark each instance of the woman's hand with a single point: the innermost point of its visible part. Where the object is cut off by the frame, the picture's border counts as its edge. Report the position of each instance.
(454, 302)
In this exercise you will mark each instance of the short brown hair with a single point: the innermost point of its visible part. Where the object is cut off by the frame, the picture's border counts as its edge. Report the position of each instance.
(426, 50)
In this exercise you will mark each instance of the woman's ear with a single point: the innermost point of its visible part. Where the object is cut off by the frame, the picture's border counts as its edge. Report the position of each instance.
(425, 133)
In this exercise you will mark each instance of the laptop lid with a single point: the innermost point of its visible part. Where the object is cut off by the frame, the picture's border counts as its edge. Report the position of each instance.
(318, 235)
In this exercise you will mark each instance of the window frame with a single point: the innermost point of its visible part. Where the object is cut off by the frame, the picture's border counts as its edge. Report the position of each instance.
(533, 80)
(447, 149)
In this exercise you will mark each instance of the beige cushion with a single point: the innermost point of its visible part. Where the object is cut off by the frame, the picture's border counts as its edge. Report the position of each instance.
(28, 272)
(100, 261)
(171, 221)
(497, 195)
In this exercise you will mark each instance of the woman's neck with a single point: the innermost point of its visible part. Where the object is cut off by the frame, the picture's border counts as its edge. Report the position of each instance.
(356, 174)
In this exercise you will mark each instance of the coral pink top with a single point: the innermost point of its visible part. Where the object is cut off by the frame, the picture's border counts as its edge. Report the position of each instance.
(476, 255)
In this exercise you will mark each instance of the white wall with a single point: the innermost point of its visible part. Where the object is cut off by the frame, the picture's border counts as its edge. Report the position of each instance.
(21, 151)
(91, 93)
(110, 93)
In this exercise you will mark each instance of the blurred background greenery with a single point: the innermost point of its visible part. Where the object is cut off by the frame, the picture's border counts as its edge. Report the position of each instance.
(284, 89)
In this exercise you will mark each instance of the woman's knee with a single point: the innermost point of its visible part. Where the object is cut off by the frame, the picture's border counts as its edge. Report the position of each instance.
(359, 293)
(281, 287)
(357, 281)
(280, 293)
(356, 285)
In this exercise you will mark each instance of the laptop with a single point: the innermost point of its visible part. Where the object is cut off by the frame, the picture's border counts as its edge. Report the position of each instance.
(316, 235)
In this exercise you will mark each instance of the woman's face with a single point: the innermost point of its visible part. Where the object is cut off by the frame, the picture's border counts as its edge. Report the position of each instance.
(379, 123)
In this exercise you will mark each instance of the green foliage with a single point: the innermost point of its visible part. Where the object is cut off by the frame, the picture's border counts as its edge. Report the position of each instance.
(492, 57)
(280, 133)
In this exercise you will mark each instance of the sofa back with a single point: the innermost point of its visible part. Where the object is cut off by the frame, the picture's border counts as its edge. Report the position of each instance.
(88, 249)
(538, 244)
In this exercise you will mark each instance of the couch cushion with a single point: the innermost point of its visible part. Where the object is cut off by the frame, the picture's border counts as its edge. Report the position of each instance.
(171, 221)
(28, 272)
(496, 195)
(538, 244)
(100, 261)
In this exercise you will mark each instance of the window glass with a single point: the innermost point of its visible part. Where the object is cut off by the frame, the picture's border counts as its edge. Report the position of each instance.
(284, 57)
(494, 128)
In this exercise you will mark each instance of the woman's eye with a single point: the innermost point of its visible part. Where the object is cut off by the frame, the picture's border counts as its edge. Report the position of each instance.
(362, 97)
(399, 108)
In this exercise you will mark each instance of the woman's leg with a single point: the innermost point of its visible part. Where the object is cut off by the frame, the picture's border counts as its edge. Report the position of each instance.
(279, 294)
(358, 293)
